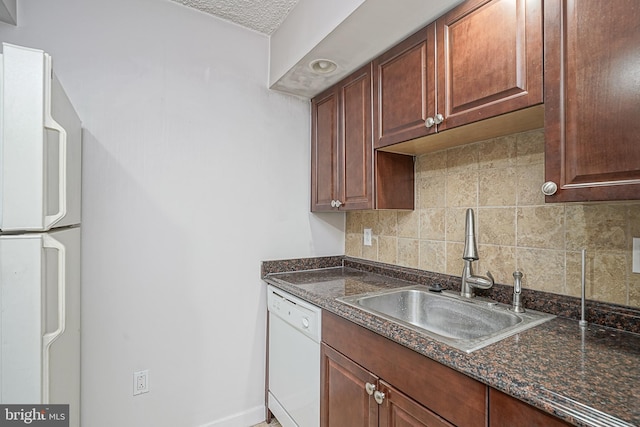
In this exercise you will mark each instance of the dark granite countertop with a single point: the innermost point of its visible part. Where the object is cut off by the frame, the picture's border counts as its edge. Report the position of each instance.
(586, 376)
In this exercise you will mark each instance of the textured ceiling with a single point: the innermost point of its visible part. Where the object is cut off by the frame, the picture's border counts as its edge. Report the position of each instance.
(263, 16)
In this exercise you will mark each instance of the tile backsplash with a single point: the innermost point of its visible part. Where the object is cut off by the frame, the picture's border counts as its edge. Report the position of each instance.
(501, 179)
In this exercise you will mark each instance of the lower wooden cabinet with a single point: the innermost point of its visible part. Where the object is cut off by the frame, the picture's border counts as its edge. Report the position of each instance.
(505, 411)
(398, 410)
(368, 381)
(344, 400)
(353, 396)
(417, 391)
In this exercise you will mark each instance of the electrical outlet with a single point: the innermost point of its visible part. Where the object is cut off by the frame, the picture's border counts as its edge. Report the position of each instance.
(367, 237)
(140, 382)
(636, 255)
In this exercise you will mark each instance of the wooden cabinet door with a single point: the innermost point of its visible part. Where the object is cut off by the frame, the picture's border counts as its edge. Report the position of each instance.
(398, 410)
(355, 175)
(592, 99)
(489, 59)
(505, 411)
(404, 89)
(344, 400)
(324, 150)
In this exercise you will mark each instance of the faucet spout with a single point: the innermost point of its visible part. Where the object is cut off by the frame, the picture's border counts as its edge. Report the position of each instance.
(470, 280)
(470, 249)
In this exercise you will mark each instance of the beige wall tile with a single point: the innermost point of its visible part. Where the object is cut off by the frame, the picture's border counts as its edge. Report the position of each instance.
(371, 252)
(499, 260)
(530, 147)
(388, 249)
(573, 274)
(462, 158)
(497, 153)
(353, 222)
(409, 224)
(408, 252)
(543, 269)
(455, 224)
(432, 163)
(353, 245)
(541, 227)
(370, 220)
(454, 258)
(609, 274)
(433, 256)
(634, 221)
(432, 224)
(462, 189)
(387, 223)
(597, 226)
(496, 226)
(497, 187)
(432, 191)
(634, 290)
(529, 184)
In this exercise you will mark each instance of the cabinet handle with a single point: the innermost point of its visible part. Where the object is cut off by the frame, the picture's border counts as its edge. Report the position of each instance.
(333, 203)
(549, 188)
(379, 397)
(429, 122)
(370, 388)
(439, 118)
(338, 204)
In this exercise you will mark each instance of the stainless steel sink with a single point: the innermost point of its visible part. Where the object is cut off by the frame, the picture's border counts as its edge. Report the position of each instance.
(464, 323)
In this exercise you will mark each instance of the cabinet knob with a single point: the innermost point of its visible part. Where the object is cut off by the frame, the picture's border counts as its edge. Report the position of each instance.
(439, 118)
(549, 188)
(379, 397)
(338, 203)
(429, 122)
(370, 388)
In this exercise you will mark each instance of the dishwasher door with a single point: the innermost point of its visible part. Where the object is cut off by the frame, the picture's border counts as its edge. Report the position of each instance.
(294, 360)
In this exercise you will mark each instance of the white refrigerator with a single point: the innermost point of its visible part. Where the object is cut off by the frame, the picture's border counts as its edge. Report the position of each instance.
(40, 171)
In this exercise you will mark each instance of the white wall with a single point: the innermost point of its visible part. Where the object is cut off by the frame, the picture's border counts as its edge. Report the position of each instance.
(193, 173)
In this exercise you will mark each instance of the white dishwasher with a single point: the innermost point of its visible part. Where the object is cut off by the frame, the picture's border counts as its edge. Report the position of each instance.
(294, 360)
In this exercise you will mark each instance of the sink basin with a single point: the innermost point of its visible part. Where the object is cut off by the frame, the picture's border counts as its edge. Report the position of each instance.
(464, 323)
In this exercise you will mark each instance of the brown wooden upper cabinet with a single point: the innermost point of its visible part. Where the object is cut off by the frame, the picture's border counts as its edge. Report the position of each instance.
(342, 158)
(480, 60)
(592, 99)
(341, 150)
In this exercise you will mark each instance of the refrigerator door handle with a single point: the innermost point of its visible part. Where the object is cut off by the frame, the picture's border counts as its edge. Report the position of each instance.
(48, 339)
(50, 123)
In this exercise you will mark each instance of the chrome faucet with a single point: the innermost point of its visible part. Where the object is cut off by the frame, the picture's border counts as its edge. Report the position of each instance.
(517, 292)
(469, 280)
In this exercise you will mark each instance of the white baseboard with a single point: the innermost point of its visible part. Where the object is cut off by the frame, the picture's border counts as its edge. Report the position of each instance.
(247, 418)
